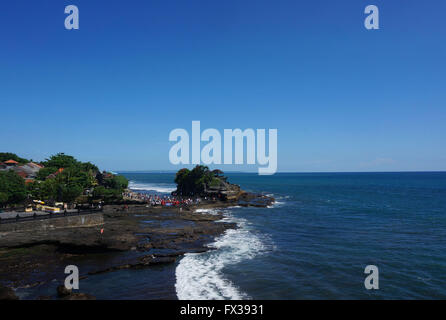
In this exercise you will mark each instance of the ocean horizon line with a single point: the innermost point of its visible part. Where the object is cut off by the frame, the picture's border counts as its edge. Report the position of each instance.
(283, 172)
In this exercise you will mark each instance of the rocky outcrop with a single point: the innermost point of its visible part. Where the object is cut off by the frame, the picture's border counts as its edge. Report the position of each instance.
(7, 294)
(247, 199)
(68, 294)
(62, 291)
(36, 257)
(80, 296)
(134, 237)
(223, 190)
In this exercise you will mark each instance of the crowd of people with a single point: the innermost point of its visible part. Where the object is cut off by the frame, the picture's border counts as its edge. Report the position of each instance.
(160, 200)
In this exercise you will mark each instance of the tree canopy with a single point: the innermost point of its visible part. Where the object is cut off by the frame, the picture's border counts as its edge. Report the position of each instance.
(63, 179)
(196, 181)
(61, 160)
(12, 188)
(5, 156)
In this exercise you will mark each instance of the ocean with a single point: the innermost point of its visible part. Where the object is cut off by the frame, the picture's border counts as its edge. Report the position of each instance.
(322, 232)
(313, 243)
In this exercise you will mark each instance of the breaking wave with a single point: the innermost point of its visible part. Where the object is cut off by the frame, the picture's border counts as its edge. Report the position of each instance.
(278, 202)
(157, 187)
(199, 275)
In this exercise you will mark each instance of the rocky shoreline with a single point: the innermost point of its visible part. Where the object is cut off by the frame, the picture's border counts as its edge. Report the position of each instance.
(131, 238)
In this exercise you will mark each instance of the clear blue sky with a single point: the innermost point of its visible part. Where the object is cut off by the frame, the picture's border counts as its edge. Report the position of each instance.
(342, 98)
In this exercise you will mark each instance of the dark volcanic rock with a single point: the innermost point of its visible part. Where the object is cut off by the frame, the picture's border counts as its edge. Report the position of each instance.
(62, 291)
(68, 294)
(255, 200)
(7, 294)
(223, 189)
(79, 296)
(151, 260)
(37, 257)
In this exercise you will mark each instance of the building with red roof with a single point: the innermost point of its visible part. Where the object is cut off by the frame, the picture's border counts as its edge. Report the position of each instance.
(53, 175)
(22, 174)
(11, 163)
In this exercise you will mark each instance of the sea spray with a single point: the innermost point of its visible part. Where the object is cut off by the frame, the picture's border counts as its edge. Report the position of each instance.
(199, 276)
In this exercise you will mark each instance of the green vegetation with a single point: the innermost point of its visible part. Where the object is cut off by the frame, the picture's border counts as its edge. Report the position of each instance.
(5, 156)
(63, 179)
(106, 194)
(12, 188)
(113, 182)
(196, 181)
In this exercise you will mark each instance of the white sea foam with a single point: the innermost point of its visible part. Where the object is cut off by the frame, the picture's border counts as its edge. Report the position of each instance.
(158, 187)
(208, 211)
(278, 201)
(277, 204)
(199, 275)
(270, 194)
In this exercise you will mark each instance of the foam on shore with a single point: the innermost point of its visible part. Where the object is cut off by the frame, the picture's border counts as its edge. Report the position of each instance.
(208, 211)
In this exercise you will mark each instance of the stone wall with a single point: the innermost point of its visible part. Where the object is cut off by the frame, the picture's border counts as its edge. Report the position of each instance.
(88, 220)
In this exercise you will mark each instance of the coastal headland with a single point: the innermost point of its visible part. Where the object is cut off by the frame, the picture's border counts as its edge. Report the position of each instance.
(62, 212)
(131, 236)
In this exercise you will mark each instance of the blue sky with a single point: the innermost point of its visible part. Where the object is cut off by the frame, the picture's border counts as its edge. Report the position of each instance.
(342, 98)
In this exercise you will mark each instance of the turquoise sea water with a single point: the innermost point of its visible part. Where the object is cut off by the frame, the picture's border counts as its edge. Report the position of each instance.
(314, 243)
